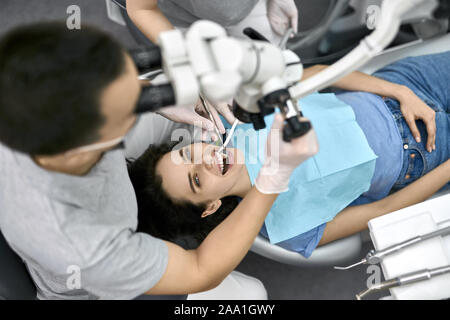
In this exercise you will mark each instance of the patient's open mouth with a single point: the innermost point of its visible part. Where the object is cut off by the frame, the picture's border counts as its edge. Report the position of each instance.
(224, 162)
(226, 166)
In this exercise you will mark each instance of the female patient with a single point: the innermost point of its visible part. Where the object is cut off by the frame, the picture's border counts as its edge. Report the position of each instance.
(180, 198)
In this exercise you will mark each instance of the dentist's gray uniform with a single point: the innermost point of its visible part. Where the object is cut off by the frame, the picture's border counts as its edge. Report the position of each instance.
(65, 226)
(182, 13)
(76, 235)
(233, 15)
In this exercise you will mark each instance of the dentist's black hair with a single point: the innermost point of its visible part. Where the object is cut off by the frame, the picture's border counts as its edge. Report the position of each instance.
(159, 215)
(51, 80)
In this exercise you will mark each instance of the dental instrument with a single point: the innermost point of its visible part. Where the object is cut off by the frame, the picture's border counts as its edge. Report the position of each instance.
(285, 38)
(213, 120)
(375, 257)
(405, 279)
(229, 136)
(221, 151)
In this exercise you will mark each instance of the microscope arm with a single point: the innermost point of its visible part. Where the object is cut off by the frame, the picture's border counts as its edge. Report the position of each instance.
(259, 76)
(392, 13)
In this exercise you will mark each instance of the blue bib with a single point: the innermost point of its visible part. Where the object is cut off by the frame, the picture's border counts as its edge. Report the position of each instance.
(323, 185)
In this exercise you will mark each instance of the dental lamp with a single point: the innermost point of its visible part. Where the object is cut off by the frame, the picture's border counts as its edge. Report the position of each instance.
(259, 76)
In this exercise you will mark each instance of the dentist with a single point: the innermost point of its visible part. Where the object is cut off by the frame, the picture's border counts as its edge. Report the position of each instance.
(272, 18)
(67, 100)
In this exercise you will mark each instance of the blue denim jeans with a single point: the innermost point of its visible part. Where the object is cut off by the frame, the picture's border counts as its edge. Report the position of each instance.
(429, 77)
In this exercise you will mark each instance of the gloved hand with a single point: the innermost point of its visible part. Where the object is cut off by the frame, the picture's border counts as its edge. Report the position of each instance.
(283, 157)
(282, 14)
(198, 116)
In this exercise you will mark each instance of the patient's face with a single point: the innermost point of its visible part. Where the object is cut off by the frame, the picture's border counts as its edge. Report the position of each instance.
(193, 173)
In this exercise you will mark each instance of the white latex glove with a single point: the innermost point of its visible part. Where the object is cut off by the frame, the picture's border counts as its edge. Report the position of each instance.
(282, 15)
(283, 157)
(222, 108)
(198, 116)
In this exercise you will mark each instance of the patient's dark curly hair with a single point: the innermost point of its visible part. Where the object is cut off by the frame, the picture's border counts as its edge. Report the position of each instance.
(159, 215)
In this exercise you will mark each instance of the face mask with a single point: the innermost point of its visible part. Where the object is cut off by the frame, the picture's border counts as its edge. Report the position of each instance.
(119, 142)
(96, 146)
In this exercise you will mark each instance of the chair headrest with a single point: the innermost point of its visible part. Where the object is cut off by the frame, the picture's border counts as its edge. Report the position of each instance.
(15, 282)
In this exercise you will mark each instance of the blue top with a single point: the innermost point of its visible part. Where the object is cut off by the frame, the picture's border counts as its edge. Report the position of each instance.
(382, 135)
(384, 138)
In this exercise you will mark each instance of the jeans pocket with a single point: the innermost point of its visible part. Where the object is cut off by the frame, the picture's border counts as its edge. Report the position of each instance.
(415, 161)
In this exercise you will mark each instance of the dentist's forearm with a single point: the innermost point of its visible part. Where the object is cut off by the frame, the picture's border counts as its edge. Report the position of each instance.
(191, 271)
(355, 219)
(148, 18)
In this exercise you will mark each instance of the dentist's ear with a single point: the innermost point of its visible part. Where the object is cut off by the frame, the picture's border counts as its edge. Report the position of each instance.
(211, 208)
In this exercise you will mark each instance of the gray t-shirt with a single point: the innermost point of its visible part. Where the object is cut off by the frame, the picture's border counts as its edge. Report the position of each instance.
(182, 13)
(77, 235)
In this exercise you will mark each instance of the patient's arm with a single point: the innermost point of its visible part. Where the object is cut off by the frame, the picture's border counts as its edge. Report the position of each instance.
(354, 219)
(359, 81)
(412, 107)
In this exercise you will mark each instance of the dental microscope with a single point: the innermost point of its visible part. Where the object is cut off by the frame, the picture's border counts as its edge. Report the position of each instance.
(259, 76)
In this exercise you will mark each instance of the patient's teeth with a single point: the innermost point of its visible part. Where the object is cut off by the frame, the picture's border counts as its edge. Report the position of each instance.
(220, 160)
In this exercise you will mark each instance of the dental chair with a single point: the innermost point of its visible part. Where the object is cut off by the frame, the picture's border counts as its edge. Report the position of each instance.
(15, 282)
(346, 31)
(348, 249)
(343, 250)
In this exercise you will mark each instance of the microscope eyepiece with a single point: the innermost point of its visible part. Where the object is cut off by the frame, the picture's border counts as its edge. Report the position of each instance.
(147, 59)
(155, 97)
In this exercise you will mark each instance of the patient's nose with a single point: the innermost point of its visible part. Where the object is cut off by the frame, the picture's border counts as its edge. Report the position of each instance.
(208, 158)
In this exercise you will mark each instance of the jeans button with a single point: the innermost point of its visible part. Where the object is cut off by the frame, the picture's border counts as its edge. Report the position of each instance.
(405, 146)
(412, 156)
(407, 176)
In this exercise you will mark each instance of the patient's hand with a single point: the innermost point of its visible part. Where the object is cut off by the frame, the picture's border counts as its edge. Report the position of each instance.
(413, 108)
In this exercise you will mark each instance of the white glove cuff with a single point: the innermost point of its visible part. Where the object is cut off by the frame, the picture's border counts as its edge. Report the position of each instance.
(269, 181)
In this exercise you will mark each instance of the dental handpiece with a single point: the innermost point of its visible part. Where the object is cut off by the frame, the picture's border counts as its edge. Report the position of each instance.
(405, 279)
(375, 257)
